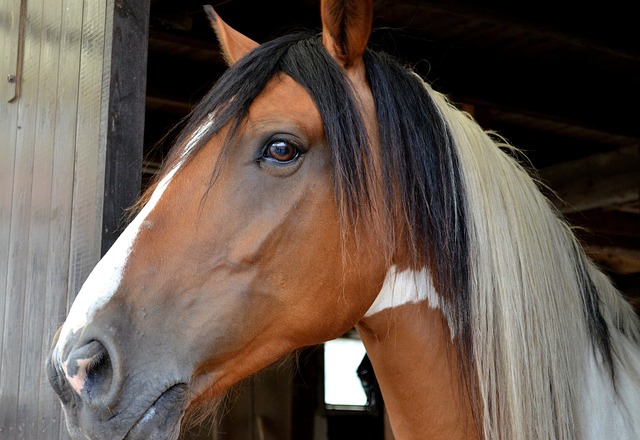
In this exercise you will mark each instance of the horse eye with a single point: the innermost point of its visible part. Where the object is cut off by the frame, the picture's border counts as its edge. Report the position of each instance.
(281, 151)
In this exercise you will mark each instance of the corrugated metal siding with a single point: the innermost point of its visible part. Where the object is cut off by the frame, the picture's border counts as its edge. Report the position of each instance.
(52, 146)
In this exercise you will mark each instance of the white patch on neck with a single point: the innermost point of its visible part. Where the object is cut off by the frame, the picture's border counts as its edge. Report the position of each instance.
(404, 287)
(104, 280)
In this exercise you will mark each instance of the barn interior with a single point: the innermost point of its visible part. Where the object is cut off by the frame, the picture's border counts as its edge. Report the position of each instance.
(561, 84)
(88, 85)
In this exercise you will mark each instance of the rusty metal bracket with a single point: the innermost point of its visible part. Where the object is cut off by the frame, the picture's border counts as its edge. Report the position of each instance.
(15, 79)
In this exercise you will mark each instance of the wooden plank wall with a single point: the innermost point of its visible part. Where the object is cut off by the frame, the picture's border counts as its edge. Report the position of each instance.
(52, 154)
(260, 408)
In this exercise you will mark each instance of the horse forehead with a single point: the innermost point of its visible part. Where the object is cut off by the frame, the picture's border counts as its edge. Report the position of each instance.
(284, 98)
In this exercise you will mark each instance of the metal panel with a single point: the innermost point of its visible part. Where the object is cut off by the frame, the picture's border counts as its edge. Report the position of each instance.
(12, 26)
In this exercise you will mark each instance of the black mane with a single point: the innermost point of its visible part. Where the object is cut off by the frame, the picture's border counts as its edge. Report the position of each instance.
(420, 165)
(421, 176)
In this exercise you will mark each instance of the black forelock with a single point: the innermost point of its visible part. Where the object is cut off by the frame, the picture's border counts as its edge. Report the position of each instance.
(302, 57)
(421, 173)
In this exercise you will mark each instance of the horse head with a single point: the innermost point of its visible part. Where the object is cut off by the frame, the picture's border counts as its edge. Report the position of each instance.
(237, 256)
(320, 186)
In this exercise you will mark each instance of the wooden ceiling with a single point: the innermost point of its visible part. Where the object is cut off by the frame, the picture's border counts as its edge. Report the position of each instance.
(563, 85)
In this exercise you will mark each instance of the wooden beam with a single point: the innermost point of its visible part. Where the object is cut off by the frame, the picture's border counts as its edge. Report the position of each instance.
(172, 44)
(574, 129)
(180, 108)
(630, 286)
(125, 135)
(445, 19)
(597, 181)
(619, 260)
(604, 222)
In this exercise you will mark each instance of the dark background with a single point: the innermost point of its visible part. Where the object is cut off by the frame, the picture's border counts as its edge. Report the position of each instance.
(559, 80)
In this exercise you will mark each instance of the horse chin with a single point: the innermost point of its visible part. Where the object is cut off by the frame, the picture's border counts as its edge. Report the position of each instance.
(161, 421)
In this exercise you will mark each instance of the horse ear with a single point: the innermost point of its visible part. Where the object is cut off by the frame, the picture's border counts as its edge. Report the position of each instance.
(346, 26)
(234, 45)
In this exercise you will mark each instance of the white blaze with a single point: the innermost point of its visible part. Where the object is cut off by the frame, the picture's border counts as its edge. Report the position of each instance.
(106, 276)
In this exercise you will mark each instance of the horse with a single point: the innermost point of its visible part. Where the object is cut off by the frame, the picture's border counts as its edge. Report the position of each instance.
(321, 186)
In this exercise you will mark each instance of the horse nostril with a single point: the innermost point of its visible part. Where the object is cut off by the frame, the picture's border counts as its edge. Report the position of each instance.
(99, 376)
(89, 370)
(58, 382)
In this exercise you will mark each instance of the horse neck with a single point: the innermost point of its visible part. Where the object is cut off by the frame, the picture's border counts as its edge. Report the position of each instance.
(415, 363)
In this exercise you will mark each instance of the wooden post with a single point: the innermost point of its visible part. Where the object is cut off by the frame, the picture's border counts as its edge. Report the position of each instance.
(125, 133)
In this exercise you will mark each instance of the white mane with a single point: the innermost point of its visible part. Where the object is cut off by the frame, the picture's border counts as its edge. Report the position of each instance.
(540, 373)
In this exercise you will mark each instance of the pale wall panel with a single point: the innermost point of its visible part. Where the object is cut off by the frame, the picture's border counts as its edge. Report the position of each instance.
(57, 285)
(8, 122)
(12, 423)
(51, 192)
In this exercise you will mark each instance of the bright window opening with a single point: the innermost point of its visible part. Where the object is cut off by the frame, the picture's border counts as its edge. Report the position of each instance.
(342, 386)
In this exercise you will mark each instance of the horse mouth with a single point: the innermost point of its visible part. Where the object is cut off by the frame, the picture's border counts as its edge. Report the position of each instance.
(161, 421)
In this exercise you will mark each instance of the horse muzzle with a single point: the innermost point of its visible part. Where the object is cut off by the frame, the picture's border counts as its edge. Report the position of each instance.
(102, 403)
